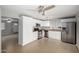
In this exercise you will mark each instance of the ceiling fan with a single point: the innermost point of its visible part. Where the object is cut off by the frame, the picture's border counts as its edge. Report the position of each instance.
(42, 9)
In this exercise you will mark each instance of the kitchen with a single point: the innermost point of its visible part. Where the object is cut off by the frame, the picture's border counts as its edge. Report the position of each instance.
(48, 29)
(35, 30)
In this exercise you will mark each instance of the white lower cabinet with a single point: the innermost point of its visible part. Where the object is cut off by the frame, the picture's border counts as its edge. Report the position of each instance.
(35, 35)
(55, 35)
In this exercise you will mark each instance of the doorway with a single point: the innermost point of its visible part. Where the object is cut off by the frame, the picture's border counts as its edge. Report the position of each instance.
(9, 29)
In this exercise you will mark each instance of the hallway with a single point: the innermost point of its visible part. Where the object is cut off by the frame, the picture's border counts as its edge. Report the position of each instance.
(38, 46)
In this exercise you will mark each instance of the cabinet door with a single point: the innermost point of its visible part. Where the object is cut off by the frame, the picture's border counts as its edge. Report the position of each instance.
(54, 35)
(35, 35)
(63, 36)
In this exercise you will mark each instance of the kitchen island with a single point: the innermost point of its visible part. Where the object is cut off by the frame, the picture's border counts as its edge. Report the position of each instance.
(54, 33)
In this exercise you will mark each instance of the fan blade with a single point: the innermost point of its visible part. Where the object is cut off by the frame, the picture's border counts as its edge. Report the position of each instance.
(49, 7)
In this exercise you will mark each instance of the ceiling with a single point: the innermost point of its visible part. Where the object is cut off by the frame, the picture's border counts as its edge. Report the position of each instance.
(32, 10)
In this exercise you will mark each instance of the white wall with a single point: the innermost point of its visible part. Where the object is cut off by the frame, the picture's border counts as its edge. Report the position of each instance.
(26, 34)
(28, 24)
(20, 40)
(9, 13)
(0, 30)
(77, 17)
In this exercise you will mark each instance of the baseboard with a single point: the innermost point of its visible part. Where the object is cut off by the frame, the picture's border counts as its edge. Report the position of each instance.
(24, 43)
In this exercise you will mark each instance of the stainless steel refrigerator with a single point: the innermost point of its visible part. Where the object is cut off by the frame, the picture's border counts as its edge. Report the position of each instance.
(68, 33)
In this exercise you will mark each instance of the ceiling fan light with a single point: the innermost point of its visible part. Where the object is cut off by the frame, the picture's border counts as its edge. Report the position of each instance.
(8, 21)
(42, 9)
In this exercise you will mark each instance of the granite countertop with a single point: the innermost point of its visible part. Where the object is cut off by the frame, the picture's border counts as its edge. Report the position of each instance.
(50, 29)
(53, 29)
